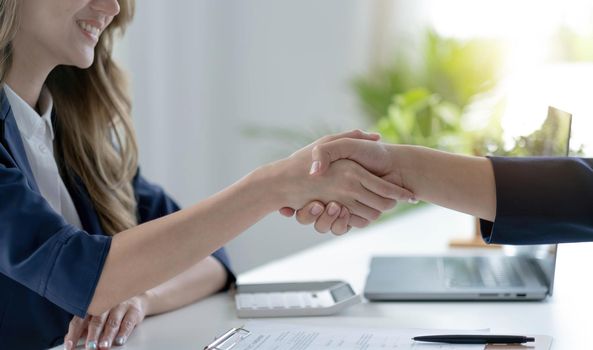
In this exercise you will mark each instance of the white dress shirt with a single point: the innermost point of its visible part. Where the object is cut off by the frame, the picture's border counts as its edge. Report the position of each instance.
(37, 134)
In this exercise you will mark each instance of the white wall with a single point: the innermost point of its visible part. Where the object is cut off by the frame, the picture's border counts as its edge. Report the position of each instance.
(203, 71)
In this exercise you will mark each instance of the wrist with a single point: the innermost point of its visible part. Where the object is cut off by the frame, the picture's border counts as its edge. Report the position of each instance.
(266, 183)
(405, 161)
(146, 301)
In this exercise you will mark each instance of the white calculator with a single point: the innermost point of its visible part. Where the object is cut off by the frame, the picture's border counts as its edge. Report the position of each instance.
(294, 299)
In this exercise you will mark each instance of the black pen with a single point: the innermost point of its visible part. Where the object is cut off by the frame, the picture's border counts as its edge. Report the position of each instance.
(475, 339)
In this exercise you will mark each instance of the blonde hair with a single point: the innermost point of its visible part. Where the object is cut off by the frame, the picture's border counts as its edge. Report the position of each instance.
(96, 139)
(8, 28)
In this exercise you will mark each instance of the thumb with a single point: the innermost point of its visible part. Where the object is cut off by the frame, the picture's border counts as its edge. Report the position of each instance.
(324, 154)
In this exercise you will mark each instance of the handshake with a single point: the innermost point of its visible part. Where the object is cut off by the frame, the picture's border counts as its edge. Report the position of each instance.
(359, 170)
(351, 178)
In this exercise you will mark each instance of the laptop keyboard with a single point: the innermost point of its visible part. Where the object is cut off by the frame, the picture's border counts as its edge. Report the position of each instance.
(480, 272)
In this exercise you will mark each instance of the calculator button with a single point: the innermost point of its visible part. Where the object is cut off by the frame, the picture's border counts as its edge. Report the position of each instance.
(293, 300)
(245, 300)
(276, 301)
(261, 301)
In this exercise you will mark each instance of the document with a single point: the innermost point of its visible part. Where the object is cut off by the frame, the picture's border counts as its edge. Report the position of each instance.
(266, 335)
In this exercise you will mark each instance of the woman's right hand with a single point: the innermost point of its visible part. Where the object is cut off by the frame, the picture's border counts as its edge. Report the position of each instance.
(334, 216)
(361, 192)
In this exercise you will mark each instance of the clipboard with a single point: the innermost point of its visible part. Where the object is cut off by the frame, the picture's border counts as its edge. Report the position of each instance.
(229, 339)
(233, 336)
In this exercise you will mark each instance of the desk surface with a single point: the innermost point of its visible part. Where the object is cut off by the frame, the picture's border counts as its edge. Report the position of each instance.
(565, 316)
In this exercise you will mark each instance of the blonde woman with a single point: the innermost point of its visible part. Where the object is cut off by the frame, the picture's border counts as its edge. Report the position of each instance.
(88, 247)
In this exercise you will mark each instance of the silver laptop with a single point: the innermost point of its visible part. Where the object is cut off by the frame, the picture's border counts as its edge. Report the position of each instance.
(515, 273)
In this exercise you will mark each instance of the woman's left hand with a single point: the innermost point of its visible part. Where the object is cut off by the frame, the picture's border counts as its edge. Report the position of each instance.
(112, 327)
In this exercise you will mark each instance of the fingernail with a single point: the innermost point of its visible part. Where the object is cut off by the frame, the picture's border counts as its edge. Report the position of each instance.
(343, 213)
(92, 345)
(314, 167)
(412, 200)
(120, 340)
(333, 209)
(316, 209)
(68, 345)
(104, 344)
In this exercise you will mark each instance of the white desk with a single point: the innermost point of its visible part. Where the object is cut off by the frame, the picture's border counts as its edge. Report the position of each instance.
(565, 316)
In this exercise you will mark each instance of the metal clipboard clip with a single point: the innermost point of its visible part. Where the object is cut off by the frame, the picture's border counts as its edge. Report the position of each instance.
(228, 340)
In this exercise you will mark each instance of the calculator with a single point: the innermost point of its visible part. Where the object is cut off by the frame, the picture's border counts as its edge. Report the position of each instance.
(294, 299)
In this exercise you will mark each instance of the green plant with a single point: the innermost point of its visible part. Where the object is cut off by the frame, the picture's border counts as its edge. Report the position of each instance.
(423, 102)
(418, 116)
(454, 69)
(548, 140)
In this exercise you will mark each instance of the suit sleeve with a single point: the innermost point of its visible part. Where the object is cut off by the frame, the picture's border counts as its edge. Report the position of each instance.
(154, 203)
(541, 200)
(39, 250)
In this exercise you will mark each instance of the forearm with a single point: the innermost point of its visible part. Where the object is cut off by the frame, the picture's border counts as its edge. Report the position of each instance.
(458, 182)
(150, 254)
(199, 281)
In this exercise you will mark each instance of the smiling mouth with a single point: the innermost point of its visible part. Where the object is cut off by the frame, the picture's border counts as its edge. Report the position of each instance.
(89, 29)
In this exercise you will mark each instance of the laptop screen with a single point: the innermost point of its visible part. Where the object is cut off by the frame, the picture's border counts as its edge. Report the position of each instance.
(551, 139)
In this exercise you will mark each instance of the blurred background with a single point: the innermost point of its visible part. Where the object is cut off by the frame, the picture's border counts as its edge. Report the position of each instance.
(221, 87)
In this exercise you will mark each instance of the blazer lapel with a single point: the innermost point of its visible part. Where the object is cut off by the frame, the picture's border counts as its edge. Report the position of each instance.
(11, 138)
(78, 192)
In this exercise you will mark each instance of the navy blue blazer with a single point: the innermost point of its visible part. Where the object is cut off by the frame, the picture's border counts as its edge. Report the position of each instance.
(541, 200)
(48, 268)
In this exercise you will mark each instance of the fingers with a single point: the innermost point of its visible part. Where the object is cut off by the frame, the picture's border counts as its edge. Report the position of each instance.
(309, 213)
(340, 226)
(112, 326)
(325, 153)
(326, 220)
(374, 201)
(364, 211)
(286, 211)
(358, 222)
(385, 188)
(352, 134)
(129, 322)
(75, 329)
(335, 217)
(95, 328)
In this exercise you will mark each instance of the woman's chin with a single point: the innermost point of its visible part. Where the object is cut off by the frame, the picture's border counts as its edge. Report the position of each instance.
(86, 63)
(82, 64)
(83, 61)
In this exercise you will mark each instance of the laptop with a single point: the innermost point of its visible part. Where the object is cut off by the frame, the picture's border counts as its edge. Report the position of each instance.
(515, 273)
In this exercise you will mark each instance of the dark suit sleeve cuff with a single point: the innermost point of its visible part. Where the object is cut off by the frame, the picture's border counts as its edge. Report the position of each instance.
(541, 200)
(486, 230)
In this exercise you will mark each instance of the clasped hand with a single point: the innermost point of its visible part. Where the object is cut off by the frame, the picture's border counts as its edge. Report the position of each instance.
(374, 186)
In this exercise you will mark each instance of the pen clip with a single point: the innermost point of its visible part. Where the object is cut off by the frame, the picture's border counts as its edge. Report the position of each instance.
(233, 336)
